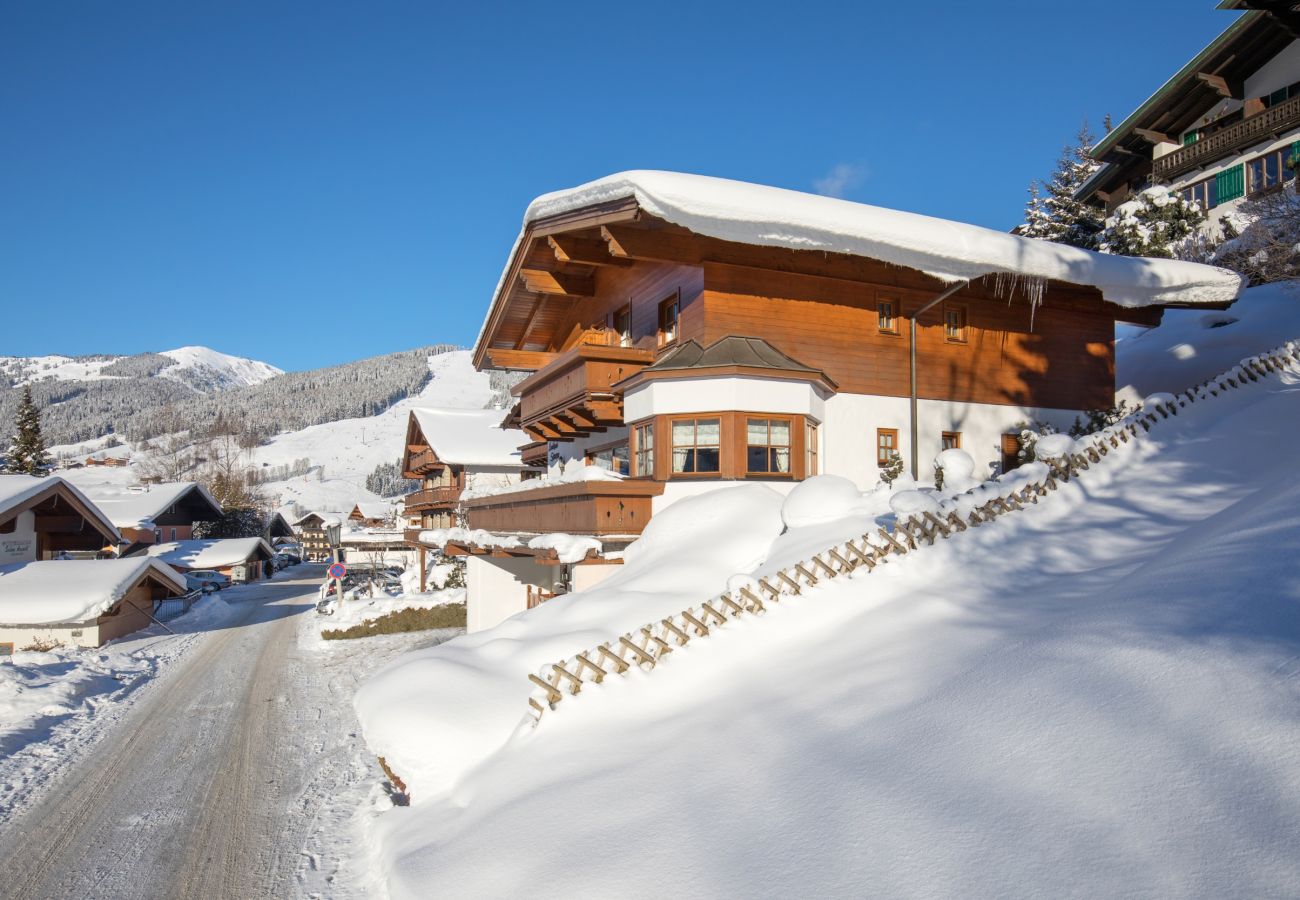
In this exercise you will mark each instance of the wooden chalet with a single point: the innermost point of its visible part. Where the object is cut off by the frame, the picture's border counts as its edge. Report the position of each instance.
(49, 518)
(683, 331)
(155, 513)
(1224, 128)
(311, 534)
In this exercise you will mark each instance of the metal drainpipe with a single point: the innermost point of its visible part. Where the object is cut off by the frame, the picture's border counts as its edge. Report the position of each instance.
(912, 328)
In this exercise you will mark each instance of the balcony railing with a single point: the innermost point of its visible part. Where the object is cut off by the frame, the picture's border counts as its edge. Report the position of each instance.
(423, 461)
(579, 507)
(1270, 123)
(441, 496)
(573, 396)
(411, 535)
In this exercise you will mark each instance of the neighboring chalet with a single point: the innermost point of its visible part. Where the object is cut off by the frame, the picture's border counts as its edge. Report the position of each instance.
(278, 530)
(372, 514)
(80, 603)
(113, 457)
(311, 534)
(451, 451)
(684, 332)
(241, 559)
(155, 513)
(1225, 127)
(49, 518)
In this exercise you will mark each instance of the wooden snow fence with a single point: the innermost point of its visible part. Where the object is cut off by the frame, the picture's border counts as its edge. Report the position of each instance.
(647, 646)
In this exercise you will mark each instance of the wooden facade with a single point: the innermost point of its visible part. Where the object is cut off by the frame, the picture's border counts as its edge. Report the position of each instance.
(591, 507)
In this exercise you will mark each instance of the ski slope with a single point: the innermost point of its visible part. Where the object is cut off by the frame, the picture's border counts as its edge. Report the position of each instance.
(349, 449)
(1098, 696)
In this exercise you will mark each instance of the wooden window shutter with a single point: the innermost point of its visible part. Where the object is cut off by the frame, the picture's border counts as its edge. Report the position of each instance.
(1230, 184)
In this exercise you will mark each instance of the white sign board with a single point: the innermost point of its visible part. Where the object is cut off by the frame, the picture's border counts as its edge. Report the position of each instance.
(16, 548)
(238, 573)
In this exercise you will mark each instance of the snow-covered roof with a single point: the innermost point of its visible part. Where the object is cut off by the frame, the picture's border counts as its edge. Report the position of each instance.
(15, 490)
(209, 554)
(136, 508)
(374, 509)
(50, 591)
(950, 251)
(471, 437)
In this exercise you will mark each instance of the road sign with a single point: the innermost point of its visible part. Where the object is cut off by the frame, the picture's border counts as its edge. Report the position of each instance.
(338, 570)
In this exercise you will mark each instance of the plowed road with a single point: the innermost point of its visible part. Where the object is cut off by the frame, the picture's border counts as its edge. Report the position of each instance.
(205, 788)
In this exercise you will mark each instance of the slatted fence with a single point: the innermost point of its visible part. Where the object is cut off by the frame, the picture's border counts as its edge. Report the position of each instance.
(650, 644)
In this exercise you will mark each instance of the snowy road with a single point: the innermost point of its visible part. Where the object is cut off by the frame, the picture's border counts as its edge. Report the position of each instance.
(212, 783)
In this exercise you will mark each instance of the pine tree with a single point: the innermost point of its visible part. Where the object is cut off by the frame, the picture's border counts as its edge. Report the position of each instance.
(1057, 216)
(1157, 222)
(27, 454)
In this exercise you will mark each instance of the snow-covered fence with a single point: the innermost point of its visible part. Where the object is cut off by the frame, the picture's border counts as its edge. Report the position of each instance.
(647, 646)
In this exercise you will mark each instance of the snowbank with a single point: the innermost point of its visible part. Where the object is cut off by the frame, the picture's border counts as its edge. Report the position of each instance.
(1192, 345)
(568, 548)
(435, 714)
(824, 498)
(1091, 697)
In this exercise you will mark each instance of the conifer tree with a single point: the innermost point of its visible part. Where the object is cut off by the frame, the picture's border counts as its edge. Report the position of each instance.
(1053, 213)
(27, 454)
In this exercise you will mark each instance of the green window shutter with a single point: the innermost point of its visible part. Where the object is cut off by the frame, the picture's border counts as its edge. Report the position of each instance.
(1277, 97)
(1190, 138)
(1230, 184)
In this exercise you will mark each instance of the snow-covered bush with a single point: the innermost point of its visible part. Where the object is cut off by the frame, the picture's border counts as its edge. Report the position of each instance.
(823, 498)
(1099, 419)
(1262, 237)
(1157, 222)
(954, 471)
(890, 472)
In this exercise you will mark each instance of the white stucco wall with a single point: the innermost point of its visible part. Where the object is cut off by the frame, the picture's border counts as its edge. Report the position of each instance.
(495, 588)
(67, 635)
(688, 395)
(577, 449)
(849, 432)
(19, 545)
(1278, 72)
(478, 479)
(588, 576)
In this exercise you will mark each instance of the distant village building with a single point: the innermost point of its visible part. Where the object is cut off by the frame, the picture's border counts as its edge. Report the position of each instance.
(156, 513)
(311, 534)
(241, 559)
(372, 514)
(451, 452)
(684, 333)
(1224, 128)
(114, 457)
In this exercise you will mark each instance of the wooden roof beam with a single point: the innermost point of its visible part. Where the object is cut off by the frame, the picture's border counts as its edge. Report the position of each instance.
(585, 251)
(524, 360)
(639, 243)
(1233, 90)
(565, 282)
(531, 321)
(1155, 137)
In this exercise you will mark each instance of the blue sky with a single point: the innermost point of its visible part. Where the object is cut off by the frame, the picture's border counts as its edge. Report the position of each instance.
(310, 183)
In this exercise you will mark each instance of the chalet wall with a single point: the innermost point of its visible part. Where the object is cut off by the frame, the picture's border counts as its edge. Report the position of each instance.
(1066, 361)
(644, 285)
(496, 588)
(65, 635)
(688, 395)
(131, 614)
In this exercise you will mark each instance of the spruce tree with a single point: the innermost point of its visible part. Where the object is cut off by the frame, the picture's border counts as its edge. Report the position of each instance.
(1053, 213)
(27, 454)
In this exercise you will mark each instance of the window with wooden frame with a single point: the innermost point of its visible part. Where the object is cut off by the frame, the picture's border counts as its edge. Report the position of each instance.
(886, 445)
(643, 437)
(951, 440)
(697, 446)
(668, 312)
(767, 446)
(620, 322)
(1269, 171)
(1202, 194)
(887, 315)
(954, 323)
(810, 450)
(612, 458)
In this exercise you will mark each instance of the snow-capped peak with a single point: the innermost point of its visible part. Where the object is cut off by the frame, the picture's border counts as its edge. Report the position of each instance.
(205, 369)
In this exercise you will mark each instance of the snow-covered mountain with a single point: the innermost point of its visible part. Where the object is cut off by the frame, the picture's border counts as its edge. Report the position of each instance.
(200, 368)
(208, 370)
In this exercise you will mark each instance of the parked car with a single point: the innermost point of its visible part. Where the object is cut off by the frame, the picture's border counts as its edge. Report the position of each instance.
(206, 580)
(281, 561)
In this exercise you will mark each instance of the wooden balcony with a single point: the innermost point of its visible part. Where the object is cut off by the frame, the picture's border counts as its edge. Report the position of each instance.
(1267, 125)
(573, 396)
(411, 535)
(597, 508)
(422, 462)
(431, 497)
